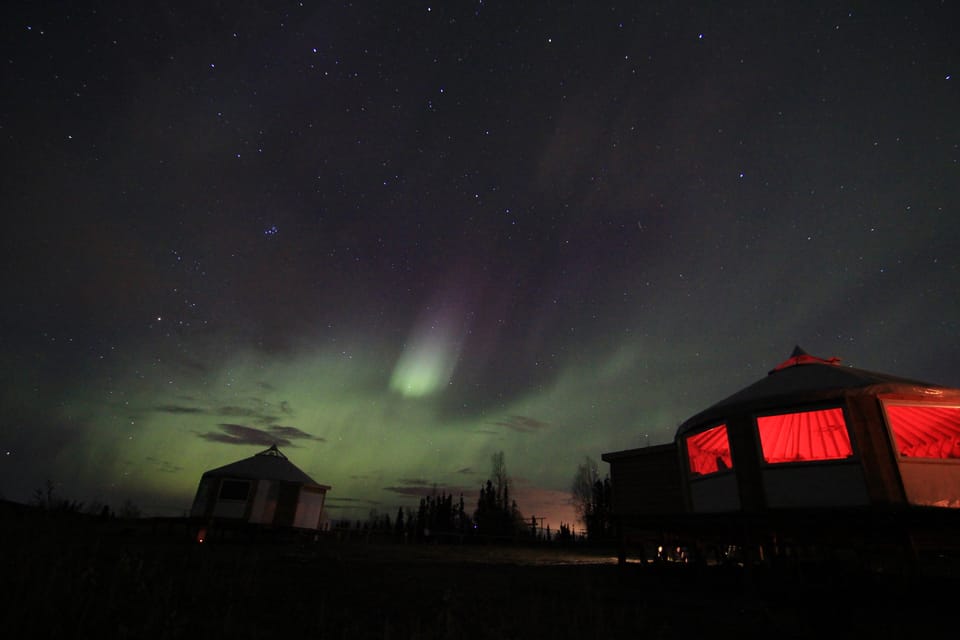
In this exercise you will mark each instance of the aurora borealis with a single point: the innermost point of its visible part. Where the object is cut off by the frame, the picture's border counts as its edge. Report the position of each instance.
(396, 238)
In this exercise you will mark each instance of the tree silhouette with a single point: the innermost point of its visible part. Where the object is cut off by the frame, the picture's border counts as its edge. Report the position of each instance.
(47, 499)
(497, 514)
(437, 514)
(592, 500)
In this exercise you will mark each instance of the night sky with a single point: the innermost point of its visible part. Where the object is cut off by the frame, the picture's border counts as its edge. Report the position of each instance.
(396, 238)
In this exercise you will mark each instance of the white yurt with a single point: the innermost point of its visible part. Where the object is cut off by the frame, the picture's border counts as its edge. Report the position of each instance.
(264, 489)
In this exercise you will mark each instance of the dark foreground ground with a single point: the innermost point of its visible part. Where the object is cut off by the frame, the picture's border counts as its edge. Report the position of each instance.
(101, 580)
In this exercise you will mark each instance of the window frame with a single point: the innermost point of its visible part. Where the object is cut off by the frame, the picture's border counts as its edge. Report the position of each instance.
(686, 451)
(783, 411)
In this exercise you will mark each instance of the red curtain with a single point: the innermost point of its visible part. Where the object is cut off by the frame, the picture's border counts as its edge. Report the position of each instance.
(925, 431)
(709, 451)
(804, 436)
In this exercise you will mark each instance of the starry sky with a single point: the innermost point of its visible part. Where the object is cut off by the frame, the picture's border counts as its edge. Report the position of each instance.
(396, 238)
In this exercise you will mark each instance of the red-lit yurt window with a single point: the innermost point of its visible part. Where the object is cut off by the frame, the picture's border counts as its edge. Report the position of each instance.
(709, 451)
(804, 436)
(924, 431)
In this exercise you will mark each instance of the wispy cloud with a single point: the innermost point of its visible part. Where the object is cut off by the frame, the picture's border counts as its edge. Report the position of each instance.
(163, 466)
(295, 433)
(523, 424)
(413, 481)
(423, 489)
(175, 408)
(238, 412)
(344, 504)
(241, 434)
(254, 414)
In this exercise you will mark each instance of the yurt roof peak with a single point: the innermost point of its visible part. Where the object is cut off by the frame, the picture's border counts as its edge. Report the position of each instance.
(801, 357)
(269, 464)
(272, 451)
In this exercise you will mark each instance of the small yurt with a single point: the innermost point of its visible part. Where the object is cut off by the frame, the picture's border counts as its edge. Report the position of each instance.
(264, 489)
(815, 434)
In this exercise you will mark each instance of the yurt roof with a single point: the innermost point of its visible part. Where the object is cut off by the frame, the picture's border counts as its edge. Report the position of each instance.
(805, 378)
(266, 465)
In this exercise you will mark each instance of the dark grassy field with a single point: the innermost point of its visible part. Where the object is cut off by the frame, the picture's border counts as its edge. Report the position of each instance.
(68, 579)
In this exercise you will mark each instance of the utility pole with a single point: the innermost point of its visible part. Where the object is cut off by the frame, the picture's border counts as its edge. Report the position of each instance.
(534, 526)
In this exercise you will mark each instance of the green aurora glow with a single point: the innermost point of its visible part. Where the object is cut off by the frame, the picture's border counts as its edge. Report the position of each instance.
(399, 241)
(151, 432)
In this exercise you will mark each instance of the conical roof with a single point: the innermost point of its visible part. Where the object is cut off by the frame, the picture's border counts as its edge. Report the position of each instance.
(805, 378)
(266, 465)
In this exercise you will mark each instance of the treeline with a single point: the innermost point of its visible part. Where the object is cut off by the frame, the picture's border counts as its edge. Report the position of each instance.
(496, 514)
(443, 516)
(46, 498)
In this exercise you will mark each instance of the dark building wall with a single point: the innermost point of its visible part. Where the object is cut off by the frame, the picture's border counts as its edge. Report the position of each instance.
(646, 481)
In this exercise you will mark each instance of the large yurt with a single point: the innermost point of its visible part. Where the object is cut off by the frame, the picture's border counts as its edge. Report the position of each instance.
(814, 449)
(264, 489)
(814, 433)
